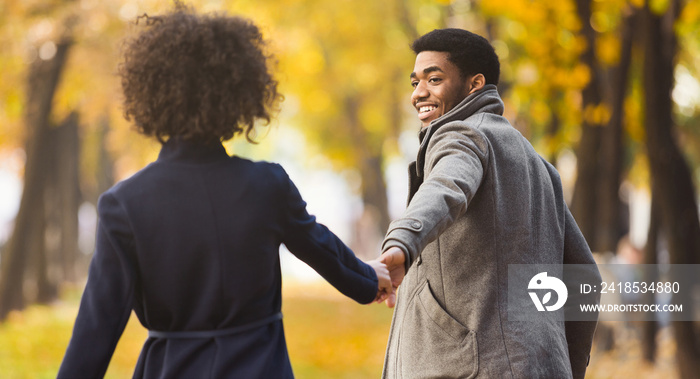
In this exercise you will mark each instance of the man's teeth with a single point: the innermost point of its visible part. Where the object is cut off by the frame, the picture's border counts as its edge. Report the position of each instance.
(426, 109)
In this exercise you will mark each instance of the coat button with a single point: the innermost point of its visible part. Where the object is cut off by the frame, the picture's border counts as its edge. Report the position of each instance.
(416, 224)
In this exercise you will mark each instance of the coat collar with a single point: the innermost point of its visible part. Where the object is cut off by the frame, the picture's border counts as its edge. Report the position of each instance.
(178, 150)
(485, 100)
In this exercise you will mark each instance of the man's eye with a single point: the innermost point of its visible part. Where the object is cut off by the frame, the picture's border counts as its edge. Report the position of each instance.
(434, 80)
(414, 84)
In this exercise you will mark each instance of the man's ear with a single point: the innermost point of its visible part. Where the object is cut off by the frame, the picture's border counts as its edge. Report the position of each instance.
(476, 82)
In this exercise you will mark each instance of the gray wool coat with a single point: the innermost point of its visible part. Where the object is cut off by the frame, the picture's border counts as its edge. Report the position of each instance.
(480, 199)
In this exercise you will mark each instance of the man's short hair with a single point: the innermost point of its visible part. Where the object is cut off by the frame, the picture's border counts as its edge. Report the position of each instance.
(470, 52)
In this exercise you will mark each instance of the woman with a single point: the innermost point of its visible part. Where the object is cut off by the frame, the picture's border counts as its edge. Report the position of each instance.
(191, 242)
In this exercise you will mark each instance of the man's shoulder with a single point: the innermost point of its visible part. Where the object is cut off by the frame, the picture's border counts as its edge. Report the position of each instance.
(483, 123)
(490, 121)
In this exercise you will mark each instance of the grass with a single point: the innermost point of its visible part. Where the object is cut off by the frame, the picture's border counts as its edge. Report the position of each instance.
(328, 336)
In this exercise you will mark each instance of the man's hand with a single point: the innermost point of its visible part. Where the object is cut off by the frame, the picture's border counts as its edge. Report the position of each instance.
(394, 259)
(383, 278)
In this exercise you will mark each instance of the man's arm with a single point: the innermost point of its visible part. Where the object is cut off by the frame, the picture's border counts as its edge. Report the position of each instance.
(455, 161)
(579, 334)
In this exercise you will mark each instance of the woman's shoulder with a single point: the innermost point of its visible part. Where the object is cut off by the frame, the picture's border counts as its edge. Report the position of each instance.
(261, 168)
(132, 181)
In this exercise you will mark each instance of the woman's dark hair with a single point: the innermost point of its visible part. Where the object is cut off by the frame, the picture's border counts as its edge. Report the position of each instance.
(470, 52)
(198, 77)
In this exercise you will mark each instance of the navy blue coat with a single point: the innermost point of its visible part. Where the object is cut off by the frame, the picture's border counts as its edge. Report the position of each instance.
(191, 243)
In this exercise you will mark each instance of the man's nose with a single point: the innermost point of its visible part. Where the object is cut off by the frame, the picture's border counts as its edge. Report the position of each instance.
(419, 93)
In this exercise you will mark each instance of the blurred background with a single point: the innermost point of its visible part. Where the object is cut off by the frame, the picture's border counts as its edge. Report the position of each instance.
(607, 90)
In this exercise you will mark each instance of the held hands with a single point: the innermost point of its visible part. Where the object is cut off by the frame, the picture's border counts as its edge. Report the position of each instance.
(384, 280)
(394, 259)
(390, 271)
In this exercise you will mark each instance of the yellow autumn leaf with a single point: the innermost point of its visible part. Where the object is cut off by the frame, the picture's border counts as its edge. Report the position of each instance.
(608, 49)
(580, 76)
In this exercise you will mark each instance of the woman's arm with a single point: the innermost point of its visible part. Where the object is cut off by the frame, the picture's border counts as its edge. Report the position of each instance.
(314, 244)
(107, 301)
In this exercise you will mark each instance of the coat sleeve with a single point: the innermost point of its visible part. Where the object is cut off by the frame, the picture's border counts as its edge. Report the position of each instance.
(318, 247)
(107, 301)
(579, 334)
(455, 160)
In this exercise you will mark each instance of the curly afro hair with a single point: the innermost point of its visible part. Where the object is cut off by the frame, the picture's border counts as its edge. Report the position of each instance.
(197, 77)
(471, 53)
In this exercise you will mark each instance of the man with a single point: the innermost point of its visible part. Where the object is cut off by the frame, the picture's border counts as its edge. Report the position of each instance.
(480, 199)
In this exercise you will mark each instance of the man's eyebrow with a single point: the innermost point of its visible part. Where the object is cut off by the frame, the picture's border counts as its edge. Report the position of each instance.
(427, 70)
(430, 69)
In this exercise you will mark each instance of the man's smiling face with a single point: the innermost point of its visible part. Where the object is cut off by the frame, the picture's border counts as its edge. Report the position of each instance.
(438, 85)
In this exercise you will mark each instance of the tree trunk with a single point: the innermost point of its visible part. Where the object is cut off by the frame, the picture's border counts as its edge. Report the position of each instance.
(40, 260)
(584, 203)
(609, 223)
(406, 21)
(553, 129)
(105, 165)
(373, 188)
(649, 329)
(63, 201)
(55, 259)
(69, 189)
(670, 173)
(28, 235)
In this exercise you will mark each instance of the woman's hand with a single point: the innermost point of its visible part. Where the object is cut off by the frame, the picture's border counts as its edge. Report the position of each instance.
(384, 280)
